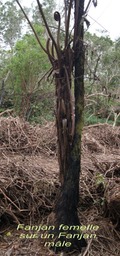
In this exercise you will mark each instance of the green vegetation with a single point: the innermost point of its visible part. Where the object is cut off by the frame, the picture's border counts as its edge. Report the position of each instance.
(102, 79)
(23, 65)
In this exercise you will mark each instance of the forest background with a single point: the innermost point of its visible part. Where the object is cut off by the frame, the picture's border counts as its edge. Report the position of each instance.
(27, 90)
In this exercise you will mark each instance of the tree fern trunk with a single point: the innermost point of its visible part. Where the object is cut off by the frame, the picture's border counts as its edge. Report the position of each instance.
(70, 148)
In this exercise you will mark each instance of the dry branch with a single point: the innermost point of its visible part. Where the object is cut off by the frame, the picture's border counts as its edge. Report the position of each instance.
(29, 177)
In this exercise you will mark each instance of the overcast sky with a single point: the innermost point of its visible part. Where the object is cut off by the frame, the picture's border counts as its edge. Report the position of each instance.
(106, 16)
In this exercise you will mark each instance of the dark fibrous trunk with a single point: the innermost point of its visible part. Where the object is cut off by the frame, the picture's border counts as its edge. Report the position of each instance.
(69, 120)
(67, 62)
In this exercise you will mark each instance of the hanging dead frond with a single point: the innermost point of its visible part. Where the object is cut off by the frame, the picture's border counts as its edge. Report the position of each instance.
(95, 2)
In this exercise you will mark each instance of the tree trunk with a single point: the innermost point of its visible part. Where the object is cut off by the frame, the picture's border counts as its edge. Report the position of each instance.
(69, 134)
(69, 119)
(69, 116)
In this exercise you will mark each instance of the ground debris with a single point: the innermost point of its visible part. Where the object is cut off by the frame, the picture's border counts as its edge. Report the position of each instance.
(30, 181)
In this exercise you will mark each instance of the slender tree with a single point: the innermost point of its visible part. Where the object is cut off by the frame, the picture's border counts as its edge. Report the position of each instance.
(11, 23)
(67, 63)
